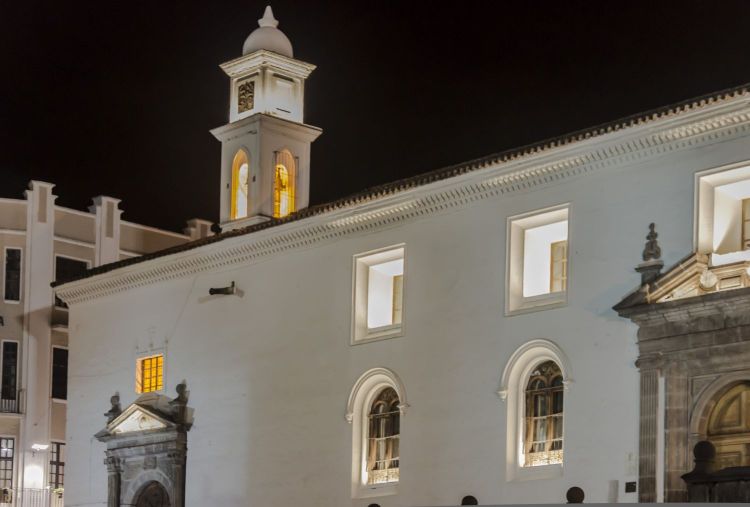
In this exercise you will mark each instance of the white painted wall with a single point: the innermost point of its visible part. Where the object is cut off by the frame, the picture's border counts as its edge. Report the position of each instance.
(270, 372)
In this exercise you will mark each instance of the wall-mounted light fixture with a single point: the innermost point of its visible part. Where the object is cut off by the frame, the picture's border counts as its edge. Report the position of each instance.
(224, 291)
(38, 447)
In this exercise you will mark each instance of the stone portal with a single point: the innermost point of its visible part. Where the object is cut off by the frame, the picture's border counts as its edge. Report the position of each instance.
(147, 450)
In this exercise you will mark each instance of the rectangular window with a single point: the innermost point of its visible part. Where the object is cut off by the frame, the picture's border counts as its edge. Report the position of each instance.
(537, 260)
(8, 391)
(59, 373)
(7, 454)
(56, 465)
(67, 268)
(378, 294)
(13, 274)
(150, 374)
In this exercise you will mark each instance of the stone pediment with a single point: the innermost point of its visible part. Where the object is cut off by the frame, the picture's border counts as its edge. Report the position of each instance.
(693, 276)
(137, 418)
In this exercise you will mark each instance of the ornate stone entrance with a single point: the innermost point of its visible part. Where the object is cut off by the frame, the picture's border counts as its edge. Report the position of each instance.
(147, 450)
(694, 359)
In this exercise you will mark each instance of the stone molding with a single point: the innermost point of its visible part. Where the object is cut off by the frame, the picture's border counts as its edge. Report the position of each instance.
(708, 122)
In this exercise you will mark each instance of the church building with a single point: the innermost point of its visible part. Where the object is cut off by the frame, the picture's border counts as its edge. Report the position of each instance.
(494, 332)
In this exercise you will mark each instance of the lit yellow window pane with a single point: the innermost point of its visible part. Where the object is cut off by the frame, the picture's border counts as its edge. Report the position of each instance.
(150, 374)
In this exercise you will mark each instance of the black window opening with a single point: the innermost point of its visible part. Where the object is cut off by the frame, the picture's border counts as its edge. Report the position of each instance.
(8, 383)
(65, 269)
(13, 274)
(7, 453)
(56, 465)
(60, 373)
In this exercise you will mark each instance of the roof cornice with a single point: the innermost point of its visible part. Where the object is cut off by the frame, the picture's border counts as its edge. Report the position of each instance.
(682, 127)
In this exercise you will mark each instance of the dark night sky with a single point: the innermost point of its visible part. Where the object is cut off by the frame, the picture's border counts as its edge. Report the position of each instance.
(117, 98)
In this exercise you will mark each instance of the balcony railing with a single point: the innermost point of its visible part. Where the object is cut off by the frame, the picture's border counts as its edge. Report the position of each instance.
(31, 497)
(10, 404)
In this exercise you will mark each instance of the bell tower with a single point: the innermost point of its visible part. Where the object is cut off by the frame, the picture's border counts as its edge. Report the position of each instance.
(265, 147)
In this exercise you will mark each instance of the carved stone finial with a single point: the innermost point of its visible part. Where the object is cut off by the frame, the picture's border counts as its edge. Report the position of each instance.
(651, 266)
(115, 410)
(652, 250)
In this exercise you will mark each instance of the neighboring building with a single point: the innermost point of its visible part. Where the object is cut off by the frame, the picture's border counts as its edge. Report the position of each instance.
(445, 336)
(40, 242)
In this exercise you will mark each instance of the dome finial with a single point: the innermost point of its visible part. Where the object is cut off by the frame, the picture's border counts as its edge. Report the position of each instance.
(268, 19)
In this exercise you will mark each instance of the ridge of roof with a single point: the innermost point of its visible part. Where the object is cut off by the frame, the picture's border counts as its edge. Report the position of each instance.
(425, 178)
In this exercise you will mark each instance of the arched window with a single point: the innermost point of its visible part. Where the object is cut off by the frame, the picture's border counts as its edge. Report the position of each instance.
(729, 427)
(383, 437)
(284, 183)
(543, 443)
(375, 407)
(240, 185)
(534, 385)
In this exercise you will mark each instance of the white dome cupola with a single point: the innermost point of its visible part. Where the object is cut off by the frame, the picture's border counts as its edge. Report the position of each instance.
(268, 37)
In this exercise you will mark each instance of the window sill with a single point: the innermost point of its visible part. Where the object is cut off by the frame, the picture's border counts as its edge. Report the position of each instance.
(537, 303)
(536, 473)
(374, 490)
(378, 333)
(11, 301)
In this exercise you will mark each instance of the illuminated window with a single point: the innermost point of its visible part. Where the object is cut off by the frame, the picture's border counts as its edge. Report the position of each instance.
(537, 270)
(383, 438)
(56, 465)
(284, 183)
(544, 416)
(7, 454)
(374, 409)
(723, 214)
(240, 185)
(150, 374)
(378, 294)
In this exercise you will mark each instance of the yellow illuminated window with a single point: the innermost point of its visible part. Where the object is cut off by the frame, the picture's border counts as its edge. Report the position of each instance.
(150, 374)
(240, 185)
(558, 266)
(283, 188)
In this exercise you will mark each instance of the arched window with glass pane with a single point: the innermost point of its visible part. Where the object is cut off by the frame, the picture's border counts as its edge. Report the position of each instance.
(383, 428)
(240, 185)
(284, 184)
(543, 428)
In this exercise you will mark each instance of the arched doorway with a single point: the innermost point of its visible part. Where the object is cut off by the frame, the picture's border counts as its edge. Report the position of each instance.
(729, 427)
(153, 495)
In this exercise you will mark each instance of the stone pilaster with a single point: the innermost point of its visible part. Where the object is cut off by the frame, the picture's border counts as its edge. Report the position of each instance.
(649, 399)
(107, 229)
(113, 481)
(676, 438)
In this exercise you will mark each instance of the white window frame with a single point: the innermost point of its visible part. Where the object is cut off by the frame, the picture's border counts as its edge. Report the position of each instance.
(360, 332)
(513, 392)
(704, 209)
(51, 371)
(515, 302)
(365, 389)
(14, 481)
(20, 282)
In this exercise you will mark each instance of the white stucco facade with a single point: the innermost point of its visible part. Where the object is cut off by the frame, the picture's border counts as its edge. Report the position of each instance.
(273, 370)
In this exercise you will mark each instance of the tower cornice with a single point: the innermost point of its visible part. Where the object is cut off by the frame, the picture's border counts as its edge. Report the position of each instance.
(264, 58)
